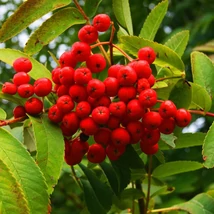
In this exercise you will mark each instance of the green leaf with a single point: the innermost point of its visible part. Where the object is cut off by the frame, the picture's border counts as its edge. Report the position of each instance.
(159, 85)
(208, 148)
(90, 7)
(26, 14)
(111, 176)
(201, 100)
(169, 139)
(201, 203)
(165, 56)
(3, 114)
(92, 202)
(25, 171)
(38, 70)
(132, 194)
(53, 27)
(12, 197)
(185, 140)
(50, 149)
(102, 191)
(178, 42)
(181, 94)
(160, 156)
(123, 15)
(176, 167)
(153, 21)
(207, 47)
(203, 71)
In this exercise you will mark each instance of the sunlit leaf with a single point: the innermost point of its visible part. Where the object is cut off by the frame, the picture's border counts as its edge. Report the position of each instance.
(3, 114)
(26, 14)
(169, 139)
(53, 27)
(153, 21)
(91, 6)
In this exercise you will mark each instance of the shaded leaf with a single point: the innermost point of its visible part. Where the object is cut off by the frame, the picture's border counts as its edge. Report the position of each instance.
(122, 13)
(178, 42)
(160, 156)
(181, 94)
(12, 197)
(102, 190)
(132, 194)
(203, 71)
(53, 27)
(201, 100)
(38, 70)
(91, 6)
(207, 47)
(3, 114)
(50, 149)
(208, 148)
(26, 14)
(153, 21)
(169, 139)
(165, 56)
(25, 171)
(176, 167)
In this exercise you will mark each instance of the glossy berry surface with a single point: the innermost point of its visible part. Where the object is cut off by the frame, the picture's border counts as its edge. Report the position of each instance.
(22, 64)
(101, 22)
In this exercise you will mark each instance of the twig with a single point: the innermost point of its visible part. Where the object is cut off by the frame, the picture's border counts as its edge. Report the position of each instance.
(75, 176)
(141, 203)
(149, 183)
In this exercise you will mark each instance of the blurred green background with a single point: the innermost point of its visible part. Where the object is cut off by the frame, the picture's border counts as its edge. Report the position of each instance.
(194, 15)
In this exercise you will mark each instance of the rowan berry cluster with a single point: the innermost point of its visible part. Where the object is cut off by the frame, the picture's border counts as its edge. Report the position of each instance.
(115, 112)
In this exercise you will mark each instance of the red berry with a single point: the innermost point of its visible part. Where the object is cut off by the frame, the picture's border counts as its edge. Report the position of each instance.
(88, 126)
(151, 80)
(148, 54)
(151, 136)
(62, 90)
(142, 84)
(82, 76)
(112, 86)
(127, 76)
(103, 136)
(25, 90)
(83, 109)
(182, 117)
(71, 122)
(101, 101)
(68, 59)
(42, 87)
(120, 137)
(167, 109)
(88, 34)
(152, 120)
(148, 98)
(118, 109)
(33, 106)
(135, 129)
(100, 115)
(65, 104)
(113, 70)
(113, 122)
(167, 125)
(19, 111)
(54, 114)
(114, 152)
(81, 51)
(66, 76)
(149, 149)
(22, 64)
(134, 110)
(127, 93)
(96, 153)
(55, 75)
(101, 22)
(21, 78)
(96, 63)
(9, 88)
(95, 88)
(78, 93)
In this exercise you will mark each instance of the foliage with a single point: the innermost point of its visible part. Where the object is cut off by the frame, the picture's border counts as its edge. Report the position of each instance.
(131, 184)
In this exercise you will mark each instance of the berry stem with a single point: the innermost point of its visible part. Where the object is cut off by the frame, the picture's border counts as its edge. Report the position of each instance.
(149, 182)
(111, 42)
(8, 122)
(75, 177)
(82, 11)
(171, 77)
(141, 203)
(201, 113)
(123, 52)
(168, 209)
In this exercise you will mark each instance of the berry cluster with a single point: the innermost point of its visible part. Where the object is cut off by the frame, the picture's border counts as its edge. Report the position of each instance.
(115, 112)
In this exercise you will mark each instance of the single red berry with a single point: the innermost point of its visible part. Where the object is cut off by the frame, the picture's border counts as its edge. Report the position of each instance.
(127, 93)
(42, 87)
(134, 110)
(148, 98)
(65, 104)
(182, 117)
(151, 136)
(71, 122)
(118, 109)
(22, 64)
(113, 122)
(148, 54)
(88, 126)
(19, 111)
(82, 76)
(142, 68)
(127, 76)
(81, 51)
(100, 115)
(112, 86)
(101, 101)
(149, 149)
(152, 120)
(78, 93)
(114, 152)
(101, 22)
(66, 76)
(135, 129)
(113, 70)
(68, 59)
(142, 84)
(83, 109)
(151, 80)
(55, 75)
(62, 90)
(167, 125)
(167, 109)
(9, 88)
(21, 78)
(95, 88)
(78, 146)
(33, 106)
(120, 137)
(55, 114)
(103, 136)
(25, 90)
(96, 153)
(96, 63)
(88, 34)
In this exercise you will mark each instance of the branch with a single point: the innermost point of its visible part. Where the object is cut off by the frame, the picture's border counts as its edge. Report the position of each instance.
(8, 122)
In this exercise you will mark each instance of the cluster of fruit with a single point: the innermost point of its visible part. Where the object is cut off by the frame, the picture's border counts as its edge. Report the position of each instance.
(116, 112)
